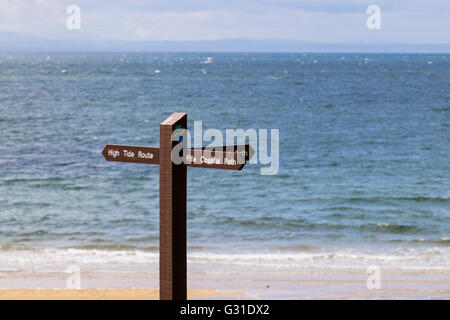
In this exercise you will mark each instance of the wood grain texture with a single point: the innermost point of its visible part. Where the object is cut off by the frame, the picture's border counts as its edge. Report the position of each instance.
(172, 214)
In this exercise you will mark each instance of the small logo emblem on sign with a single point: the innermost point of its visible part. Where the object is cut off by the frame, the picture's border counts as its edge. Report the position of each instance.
(178, 134)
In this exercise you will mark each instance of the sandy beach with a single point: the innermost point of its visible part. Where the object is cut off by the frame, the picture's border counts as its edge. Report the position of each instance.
(104, 294)
(308, 286)
(304, 283)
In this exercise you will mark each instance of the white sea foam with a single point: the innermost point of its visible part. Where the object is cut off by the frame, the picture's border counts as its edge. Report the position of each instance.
(432, 259)
(208, 60)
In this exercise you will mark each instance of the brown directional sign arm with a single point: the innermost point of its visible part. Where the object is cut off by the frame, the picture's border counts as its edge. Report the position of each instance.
(214, 159)
(222, 157)
(120, 153)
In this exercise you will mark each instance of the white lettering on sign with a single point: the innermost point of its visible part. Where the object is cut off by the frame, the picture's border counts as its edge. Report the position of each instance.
(128, 154)
(212, 160)
(230, 162)
(143, 155)
(113, 153)
(190, 159)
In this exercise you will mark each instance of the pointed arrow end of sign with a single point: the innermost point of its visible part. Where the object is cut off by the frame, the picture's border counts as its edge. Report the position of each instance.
(251, 152)
(105, 152)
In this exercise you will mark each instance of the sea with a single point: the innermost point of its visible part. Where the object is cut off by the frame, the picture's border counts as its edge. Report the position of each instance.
(363, 178)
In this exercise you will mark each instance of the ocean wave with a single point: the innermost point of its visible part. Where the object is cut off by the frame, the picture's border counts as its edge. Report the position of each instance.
(440, 241)
(381, 199)
(378, 199)
(433, 259)
(38, 232)
(112, 247)
(28, 180)
(28, 203)
(303, 224)
(391, 228)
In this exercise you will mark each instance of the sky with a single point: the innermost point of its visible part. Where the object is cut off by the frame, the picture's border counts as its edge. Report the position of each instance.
(325, 21)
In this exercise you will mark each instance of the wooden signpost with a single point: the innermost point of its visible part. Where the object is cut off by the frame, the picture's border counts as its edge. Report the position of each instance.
(172, 191)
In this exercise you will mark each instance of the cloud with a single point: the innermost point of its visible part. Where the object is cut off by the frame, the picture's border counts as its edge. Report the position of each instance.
(30, 17)
(309, 20)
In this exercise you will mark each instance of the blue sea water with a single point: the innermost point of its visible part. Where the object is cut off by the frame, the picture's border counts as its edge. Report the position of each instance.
(364, 151)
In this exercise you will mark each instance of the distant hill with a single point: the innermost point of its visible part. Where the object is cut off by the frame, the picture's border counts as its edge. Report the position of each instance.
(10, 41)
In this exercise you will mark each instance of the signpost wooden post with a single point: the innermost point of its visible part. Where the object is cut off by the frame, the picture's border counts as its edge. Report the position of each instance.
(172, 214)
(172, 192)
